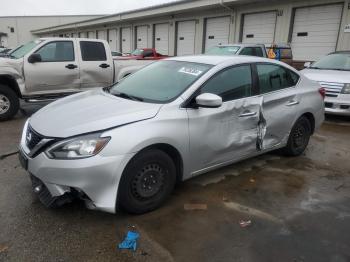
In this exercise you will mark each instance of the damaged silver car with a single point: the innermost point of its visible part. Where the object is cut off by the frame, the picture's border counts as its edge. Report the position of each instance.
(126, 146)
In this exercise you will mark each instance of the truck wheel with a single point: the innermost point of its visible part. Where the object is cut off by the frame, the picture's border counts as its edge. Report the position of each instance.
(147, 182)
(9, 103)
(298, 138)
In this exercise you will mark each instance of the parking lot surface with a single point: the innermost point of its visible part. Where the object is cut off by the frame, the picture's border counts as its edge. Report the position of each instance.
(299, 210)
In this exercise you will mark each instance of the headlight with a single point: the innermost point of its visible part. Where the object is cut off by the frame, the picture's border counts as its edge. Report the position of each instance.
(346, 89)
(78, 147)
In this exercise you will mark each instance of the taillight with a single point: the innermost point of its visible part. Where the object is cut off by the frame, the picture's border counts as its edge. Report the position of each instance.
(322, 92)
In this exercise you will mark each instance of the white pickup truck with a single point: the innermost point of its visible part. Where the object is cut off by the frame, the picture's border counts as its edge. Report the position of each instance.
(50, 68)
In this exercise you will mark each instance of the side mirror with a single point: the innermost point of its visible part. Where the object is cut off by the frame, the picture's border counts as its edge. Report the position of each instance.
(34, 58)
(307, 64)
(209, 100)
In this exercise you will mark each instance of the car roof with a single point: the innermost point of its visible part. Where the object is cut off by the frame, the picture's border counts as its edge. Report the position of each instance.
(240, 45)
(215, 60)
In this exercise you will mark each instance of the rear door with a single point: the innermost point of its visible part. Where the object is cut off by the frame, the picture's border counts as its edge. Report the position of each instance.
(277, 85)
(58, 70)
(96, 66)
(229, 132)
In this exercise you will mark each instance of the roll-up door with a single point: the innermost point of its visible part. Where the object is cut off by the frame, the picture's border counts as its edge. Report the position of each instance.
(217, 31)
(259, 28)
(186, 32)
(315, 31)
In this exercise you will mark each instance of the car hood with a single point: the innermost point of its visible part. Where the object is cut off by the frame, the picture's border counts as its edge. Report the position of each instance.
(88, 112)
(333, 76)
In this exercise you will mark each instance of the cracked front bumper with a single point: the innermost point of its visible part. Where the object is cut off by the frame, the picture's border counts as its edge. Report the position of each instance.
(96, 177)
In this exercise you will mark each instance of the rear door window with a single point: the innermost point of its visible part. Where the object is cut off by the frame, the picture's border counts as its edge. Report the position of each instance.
(274, 77)
(92, 51)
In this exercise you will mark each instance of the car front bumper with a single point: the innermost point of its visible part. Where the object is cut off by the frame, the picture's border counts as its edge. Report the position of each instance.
(337, 106)
(96, 178)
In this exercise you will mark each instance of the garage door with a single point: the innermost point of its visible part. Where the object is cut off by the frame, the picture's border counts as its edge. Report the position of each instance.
(113, 39)
(83, 34)
(102, 34)
(91, 34)
(186, 32)
(142, 36)
(217, 31)
(161, 38)
(126, 40)
(315, 31)
(259, 28)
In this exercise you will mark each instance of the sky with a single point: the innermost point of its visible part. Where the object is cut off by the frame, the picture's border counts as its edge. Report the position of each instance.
(72, 7)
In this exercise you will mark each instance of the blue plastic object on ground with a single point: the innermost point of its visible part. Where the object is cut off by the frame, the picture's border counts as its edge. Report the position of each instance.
(130, 241)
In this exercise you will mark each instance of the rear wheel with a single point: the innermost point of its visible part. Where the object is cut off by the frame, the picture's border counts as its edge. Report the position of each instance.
(298, 138)
(9, 103)
(147, 182)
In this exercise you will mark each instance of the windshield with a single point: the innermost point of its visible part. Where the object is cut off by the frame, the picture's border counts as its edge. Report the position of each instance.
(338, 61)
(24, 49)
(223, 50)
(137, 52)
(160, 82)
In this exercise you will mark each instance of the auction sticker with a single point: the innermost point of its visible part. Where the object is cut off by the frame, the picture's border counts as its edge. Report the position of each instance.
(190, 71)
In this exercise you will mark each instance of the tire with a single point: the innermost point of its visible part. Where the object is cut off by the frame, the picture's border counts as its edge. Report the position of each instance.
(298, 138)
(9, 103)
(147, 182)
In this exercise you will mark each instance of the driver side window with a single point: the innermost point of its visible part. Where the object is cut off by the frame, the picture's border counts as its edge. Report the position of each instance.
(230, 84)
(59, 51)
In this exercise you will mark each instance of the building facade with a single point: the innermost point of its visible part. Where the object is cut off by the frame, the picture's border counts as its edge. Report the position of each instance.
(312, 27)
(16, 30)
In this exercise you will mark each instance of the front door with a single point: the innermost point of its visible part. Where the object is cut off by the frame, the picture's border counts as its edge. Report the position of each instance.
(230, 132)
(57, 71)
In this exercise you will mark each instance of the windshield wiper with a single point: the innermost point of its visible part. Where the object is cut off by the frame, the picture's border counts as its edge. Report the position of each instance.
(127, 96)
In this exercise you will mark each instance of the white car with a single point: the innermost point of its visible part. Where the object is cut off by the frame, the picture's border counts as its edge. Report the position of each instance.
(332, 72)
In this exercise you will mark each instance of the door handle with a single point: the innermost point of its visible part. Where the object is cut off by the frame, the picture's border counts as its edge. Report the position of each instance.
(246, 114)
(71, 66)
(104, 65)
(292, 103)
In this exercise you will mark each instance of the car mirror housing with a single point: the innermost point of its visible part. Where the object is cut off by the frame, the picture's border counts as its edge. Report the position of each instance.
(307, 64)
(34, 58)
(208, 100)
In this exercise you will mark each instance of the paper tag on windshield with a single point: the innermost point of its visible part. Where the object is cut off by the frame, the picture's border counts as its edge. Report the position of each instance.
(190, 71)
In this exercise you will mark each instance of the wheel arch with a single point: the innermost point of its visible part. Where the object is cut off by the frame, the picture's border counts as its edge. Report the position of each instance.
(9, 81)
(170, 151)
(311, 119)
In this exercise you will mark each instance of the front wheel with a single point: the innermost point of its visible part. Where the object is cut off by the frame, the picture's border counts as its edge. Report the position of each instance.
(298, 138)
(9, 103)
(147, 182)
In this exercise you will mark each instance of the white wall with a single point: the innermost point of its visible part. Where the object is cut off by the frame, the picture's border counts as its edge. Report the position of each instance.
(23, 25)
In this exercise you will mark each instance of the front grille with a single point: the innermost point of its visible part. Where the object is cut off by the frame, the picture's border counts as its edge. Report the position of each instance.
(332, 89)
(328, 105)
(32, 138)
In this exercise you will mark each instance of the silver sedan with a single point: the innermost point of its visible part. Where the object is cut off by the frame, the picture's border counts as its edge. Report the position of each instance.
(127, 145)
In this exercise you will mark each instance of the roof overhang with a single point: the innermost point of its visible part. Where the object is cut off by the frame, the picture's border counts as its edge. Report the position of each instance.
(172, 8)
